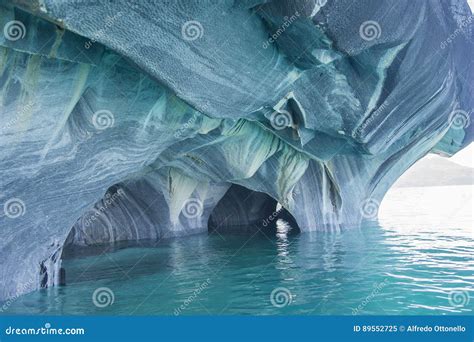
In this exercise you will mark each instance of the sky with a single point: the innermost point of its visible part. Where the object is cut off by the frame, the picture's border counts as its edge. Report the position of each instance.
(466, 156)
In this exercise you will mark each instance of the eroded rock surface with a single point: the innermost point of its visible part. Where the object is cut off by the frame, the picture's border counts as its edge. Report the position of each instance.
(127, 120)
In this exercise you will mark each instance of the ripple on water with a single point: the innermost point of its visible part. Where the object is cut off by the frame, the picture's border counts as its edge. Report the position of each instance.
(400, 267)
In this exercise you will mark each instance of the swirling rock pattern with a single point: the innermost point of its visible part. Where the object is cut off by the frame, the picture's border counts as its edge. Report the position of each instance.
(116, 115)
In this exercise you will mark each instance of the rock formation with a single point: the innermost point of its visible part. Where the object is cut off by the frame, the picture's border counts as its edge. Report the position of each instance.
(126, 120)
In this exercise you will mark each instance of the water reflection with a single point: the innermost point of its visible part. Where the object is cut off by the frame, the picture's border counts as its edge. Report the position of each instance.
(395, 268)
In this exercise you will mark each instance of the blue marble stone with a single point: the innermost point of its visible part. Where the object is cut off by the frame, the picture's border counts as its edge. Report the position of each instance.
(131, 120)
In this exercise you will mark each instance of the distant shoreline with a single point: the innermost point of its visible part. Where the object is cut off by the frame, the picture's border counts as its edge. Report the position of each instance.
(435, 171)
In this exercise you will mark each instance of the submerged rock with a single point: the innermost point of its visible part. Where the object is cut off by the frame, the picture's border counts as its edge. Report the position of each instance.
(128, 120)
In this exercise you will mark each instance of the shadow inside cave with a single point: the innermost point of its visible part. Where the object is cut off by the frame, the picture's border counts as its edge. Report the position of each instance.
(240, 212)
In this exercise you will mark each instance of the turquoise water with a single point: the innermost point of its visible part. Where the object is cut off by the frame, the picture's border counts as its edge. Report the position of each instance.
(415, 262)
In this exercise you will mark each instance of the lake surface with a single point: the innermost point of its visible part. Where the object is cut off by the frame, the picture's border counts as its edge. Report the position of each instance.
(417, 261)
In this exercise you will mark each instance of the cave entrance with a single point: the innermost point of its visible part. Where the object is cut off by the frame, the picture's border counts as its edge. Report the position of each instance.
(239, 211)
(244, 211)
